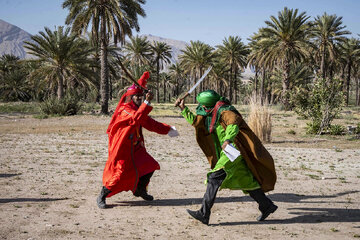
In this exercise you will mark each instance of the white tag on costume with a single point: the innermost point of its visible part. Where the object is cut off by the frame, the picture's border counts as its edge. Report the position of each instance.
(231, 152)
(173, 132)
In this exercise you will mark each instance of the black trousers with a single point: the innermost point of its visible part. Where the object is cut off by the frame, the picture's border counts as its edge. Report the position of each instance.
(143, 182)
(215, 180)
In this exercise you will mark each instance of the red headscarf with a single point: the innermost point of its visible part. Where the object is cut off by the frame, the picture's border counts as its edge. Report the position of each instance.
(133, 90)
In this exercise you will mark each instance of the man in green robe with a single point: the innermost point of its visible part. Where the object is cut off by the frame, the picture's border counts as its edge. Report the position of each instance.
(217, 123)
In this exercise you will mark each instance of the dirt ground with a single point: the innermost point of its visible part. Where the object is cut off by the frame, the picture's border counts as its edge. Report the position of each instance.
(51, 172)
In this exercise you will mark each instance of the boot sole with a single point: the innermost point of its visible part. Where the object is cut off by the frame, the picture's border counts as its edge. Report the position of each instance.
(204, 221)
(268, 211)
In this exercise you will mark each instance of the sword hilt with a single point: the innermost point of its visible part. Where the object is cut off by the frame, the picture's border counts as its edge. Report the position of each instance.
(179, 99)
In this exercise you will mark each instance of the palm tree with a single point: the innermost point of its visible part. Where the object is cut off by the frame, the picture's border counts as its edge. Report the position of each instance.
(328, 31)
(114, 18)
(195, 58)
(162, 54)
(351, 55)
(61, 57)
(285, 41)
(138, 51)
(218, 76)
(234, 53)
(177, 73)
(13, 81)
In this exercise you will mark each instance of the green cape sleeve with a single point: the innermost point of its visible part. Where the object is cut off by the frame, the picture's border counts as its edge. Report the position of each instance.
(188, 115)
(231, 131)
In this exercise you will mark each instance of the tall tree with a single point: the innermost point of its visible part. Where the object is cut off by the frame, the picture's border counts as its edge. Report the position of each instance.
(61, 57)
(177, 73)
(13, 79)
(284, 41)
(234, 53)
(327, 31)
(162, 54)
(195, 58)
(138, 51)
(114, 18)
(351, 55)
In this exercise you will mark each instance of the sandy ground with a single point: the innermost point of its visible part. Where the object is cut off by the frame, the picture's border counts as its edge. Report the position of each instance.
(51, 172)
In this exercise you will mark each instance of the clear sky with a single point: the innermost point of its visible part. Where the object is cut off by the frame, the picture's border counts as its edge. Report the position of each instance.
(209, 21)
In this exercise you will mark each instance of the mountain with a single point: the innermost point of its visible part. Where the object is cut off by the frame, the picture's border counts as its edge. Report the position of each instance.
(12, 40)
(176, 45)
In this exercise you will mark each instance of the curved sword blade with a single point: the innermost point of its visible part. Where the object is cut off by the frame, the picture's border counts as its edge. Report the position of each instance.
(200, 80)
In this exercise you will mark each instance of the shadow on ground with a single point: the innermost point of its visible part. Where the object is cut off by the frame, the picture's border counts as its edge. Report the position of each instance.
(308, 215)
(7, 175)
(277, 197)
(11, 200)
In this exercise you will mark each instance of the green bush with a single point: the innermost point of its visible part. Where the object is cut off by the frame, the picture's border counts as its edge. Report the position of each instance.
(292, 132)
(69, 105)
(357, 130)
(337, 129)
(312, 127)
(320, 102)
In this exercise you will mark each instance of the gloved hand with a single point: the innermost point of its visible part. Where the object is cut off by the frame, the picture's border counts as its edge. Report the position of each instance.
(173, 132)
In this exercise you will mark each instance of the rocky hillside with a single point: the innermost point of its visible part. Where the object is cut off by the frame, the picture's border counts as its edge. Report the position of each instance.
(12, 40)
(176, 45)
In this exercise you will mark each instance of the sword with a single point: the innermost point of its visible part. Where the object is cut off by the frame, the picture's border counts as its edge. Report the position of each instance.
(193, 87)
(130, 76)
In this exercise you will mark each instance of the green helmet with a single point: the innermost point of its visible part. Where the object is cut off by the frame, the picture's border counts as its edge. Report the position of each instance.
(208, 98)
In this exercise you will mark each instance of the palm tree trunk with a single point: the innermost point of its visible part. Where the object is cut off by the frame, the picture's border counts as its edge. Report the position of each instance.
(285, 85)
(322, 66)
(157, 81)
(202, 83)
(60, 88)
(272, 98)
(262, 88)
(164, 86)
(195, 91)
(342, 78)
(269, 90)
(230, 85)
(110, 89)
(256, 83)
(348, 78)
(235, 85)
(357, 92)
(104, 72)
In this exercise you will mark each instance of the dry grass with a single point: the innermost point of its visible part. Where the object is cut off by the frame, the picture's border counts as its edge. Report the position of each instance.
(259, 120)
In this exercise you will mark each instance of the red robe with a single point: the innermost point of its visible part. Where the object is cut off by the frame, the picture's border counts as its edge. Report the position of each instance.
(128, 159)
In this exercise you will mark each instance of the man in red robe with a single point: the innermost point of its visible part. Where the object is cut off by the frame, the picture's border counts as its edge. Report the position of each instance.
(129, 165)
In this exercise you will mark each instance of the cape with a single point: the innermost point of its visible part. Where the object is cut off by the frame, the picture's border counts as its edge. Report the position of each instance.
(128, 159)
(257, 158)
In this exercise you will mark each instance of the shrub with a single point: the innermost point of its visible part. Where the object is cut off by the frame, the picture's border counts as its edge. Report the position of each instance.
(357, 130)
(292, 132)
(67, 106)
(320, 102)
(337, 129)
(312, 127)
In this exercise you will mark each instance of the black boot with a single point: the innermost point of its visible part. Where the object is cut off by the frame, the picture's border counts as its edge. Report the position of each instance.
(215, 180)
(141, 187)
(198, 215)
(102, 197)
(266, 206)
(143, 194)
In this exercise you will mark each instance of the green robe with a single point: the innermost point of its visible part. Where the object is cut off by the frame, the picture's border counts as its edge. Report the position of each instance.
(238, 175)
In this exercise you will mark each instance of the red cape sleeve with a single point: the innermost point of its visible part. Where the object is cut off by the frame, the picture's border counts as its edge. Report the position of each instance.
(155, 126)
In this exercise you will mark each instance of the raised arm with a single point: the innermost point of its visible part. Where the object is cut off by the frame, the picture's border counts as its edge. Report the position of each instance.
(185, 111)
